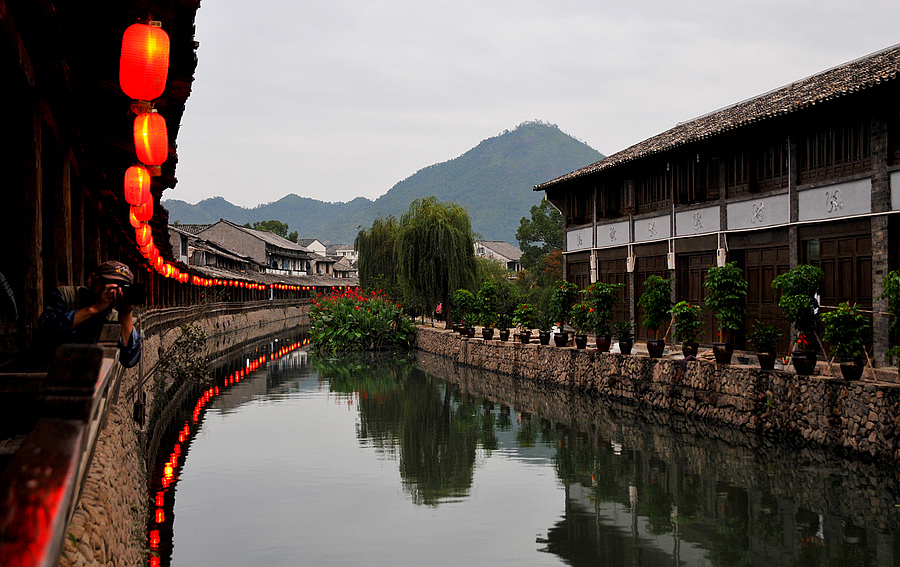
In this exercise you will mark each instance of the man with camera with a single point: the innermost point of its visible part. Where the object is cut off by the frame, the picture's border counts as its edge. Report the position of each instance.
(77, 314)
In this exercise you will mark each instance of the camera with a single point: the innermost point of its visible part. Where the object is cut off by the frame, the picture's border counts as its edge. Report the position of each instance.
(133, 294)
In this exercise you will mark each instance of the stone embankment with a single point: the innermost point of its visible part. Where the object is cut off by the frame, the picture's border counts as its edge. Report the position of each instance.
(862, 417)
(108, 527)
(808, 476)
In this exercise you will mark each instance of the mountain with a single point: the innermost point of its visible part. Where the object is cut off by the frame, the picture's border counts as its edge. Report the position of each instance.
(493, 180)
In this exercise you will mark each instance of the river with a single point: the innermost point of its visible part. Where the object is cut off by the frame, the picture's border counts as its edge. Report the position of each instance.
(403, 460)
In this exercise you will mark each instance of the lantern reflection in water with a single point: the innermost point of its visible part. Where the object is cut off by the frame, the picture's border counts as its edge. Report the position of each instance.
(169, 474)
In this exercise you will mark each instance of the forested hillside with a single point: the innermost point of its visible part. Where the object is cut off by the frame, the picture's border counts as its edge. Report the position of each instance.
(493, 181)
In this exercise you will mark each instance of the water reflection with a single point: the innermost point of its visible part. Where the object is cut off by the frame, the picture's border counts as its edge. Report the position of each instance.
(434, 430)
(630, 486)
(651, 488)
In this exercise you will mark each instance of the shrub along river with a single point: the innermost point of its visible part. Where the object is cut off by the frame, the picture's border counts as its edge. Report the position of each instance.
(408, 460)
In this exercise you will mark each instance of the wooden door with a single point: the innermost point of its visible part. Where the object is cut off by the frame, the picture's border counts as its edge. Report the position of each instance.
(692, 270)
(847, 264)
(579, 273)
(761, 266)
(613, 271)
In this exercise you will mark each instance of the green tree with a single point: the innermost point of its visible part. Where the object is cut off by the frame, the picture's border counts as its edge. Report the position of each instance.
(377, 248)
(540, 235)
(435, 253)
(490, 270)
(293, 236)
(276, 226)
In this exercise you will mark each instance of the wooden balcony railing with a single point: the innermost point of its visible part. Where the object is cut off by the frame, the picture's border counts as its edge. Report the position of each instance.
(63, 411)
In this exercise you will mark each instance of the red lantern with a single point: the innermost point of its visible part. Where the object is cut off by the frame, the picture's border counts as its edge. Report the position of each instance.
(151, 139)
(144, 63)
(137, 184)
(143, 235)
(143, 212)
(132, 219)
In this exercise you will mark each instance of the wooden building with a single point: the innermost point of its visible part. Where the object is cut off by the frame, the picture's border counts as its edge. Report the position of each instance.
(66, 143)
(807, 173)
(500, 251)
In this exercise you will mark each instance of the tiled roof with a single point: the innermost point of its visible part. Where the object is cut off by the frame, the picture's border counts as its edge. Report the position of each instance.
(836, 82)
(332, 249)
(191, 228)
(270, 238)
(503, 248)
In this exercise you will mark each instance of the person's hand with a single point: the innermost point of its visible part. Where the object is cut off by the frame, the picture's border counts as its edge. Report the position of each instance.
(110, 294)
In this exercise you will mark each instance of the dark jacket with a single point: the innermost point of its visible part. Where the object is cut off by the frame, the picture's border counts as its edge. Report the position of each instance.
(55, 324)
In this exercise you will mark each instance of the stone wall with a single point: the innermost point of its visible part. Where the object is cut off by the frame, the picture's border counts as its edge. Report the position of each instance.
(859, 417)
(809, 476)
(108, 526)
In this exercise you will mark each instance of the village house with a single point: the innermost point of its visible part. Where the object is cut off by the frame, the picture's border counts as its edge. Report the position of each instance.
(500, 251)
(278, 254)
(195, 251)
(807, 173)
(339, 250)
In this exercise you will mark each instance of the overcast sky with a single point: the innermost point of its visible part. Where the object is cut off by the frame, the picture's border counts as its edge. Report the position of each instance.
(337, 100)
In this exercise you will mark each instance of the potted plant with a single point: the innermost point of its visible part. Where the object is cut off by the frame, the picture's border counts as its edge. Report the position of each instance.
(726, 292)
(507, 300)
(625, 335)
(846, 332)
(603, 297)
(800, 304)
(764, 337)
(525, 318)
(562, 298)
(656, 301)
(891, 294)
(488, 304)
(545, 328)
(581, 316)
(463, 305)
(504, 321)
(688, 327)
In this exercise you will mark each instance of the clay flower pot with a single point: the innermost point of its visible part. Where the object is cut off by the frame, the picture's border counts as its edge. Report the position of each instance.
(604, 342)
(766, 360)
(723, 352)
(561, 339)
(580, 341)
(656, 348)
(804, 362)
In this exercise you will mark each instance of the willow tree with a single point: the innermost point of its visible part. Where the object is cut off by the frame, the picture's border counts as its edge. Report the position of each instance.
(435, 253)
(377, 257)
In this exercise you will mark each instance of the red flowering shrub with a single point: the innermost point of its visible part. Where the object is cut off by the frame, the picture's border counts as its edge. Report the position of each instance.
(354, 320)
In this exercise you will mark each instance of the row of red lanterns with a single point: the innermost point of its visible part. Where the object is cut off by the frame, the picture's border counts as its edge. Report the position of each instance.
(143, 71)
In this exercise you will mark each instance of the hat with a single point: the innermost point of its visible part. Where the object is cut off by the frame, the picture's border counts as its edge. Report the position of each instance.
(115, 272)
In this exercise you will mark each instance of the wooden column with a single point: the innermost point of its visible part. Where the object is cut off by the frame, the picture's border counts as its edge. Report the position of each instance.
(79, 270)
(881, 202)
(62, 223)
(33, 233)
